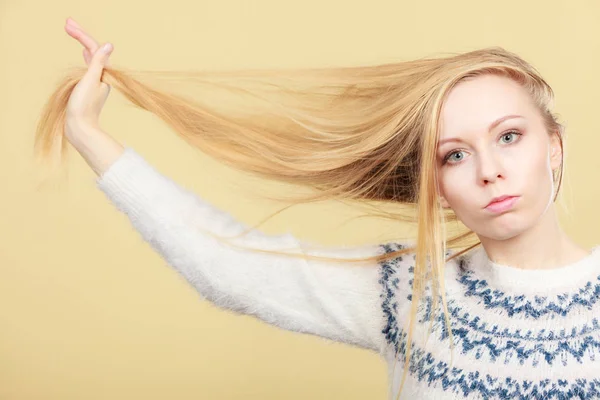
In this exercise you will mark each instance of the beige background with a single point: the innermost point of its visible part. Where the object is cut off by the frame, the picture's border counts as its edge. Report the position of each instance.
(89, 311)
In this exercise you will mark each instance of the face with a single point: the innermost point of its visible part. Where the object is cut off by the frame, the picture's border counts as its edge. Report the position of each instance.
(476, 164)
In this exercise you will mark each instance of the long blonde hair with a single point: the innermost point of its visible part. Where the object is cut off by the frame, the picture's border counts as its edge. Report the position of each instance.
(353, 133)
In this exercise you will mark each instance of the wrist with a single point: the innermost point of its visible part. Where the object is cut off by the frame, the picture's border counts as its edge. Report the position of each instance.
(76, 129)
(97, 147)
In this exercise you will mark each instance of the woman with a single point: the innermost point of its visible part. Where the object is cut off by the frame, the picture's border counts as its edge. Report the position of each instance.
(469, 137)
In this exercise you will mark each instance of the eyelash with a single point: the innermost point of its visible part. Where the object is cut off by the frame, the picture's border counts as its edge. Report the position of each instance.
(447, 157)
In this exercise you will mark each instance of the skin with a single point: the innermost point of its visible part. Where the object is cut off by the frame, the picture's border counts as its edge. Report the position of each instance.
(486, 164)
(89, 95)
(99, 149)
(90, 45)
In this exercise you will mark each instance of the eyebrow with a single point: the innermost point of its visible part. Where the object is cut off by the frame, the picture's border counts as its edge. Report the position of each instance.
(492, 126)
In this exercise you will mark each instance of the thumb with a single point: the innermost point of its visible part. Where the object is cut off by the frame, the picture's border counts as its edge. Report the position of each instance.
(99, 60)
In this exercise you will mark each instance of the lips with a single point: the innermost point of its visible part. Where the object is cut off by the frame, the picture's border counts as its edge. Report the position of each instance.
(498, 199)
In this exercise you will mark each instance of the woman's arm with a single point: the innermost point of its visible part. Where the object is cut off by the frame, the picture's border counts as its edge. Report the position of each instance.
(335, 301)
(98, 149)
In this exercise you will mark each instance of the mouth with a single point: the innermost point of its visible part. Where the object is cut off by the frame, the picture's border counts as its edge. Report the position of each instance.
(502, 203)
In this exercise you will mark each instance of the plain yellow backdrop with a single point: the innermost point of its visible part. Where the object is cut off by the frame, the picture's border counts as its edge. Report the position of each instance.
(89, 311)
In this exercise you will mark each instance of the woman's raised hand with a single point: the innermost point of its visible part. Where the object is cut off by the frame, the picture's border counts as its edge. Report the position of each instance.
(90, 93)
(89, 44)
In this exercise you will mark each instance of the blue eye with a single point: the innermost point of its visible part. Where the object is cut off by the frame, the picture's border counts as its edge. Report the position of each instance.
(509, 134)
(450, 155)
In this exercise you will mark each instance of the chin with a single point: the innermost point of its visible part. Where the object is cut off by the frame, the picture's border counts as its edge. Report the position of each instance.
(500, 229)
(504, 232)
(503, 235)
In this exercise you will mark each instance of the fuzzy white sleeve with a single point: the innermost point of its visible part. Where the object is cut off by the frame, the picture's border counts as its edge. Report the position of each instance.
(327, 299)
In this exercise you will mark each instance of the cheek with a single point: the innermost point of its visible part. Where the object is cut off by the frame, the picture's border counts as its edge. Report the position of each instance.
(538, 182)
(530, 166)
(456, 184)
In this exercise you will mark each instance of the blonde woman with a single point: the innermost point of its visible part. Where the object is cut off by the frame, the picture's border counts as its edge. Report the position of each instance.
(469, 137)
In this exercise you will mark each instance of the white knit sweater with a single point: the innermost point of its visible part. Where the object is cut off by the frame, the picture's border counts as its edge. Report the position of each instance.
(518, 334)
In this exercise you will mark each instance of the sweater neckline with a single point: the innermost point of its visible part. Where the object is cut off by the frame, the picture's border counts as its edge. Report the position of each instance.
(538, 280)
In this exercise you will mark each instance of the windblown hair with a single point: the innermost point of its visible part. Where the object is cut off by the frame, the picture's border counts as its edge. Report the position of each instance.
(365, 133)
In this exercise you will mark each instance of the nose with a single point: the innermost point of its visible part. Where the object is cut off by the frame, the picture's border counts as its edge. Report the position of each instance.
(489, 168)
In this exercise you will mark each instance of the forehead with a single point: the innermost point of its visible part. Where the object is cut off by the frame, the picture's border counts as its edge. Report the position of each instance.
(473, 104)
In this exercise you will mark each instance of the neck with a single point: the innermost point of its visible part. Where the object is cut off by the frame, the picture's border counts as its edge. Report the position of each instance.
(544, 246)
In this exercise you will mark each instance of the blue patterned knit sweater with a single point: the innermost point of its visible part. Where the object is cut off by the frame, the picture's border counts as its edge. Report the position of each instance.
(518, 334)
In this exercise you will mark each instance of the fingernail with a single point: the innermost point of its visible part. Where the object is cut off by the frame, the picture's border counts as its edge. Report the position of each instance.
(107, 48)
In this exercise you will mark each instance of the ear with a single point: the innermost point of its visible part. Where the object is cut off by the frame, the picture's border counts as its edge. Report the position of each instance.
(556, 155)
(444, 202)
(440, 194)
